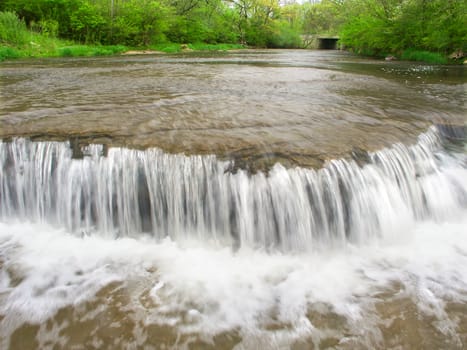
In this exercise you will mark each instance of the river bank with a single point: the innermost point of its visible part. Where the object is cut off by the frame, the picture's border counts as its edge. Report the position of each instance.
(40, 47)
(17, 41)
(24, 43)
(44, 47)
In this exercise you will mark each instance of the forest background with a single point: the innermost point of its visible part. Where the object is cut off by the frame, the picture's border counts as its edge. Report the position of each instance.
(431, 29)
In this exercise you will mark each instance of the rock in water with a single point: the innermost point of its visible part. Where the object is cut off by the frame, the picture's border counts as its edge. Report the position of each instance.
(452, 131)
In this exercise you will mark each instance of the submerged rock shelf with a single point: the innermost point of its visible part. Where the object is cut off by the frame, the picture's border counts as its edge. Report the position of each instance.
(123, 192)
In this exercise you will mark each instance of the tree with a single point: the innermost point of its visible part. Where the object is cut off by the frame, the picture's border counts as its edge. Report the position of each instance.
(324, 17)
(87, 24)
(140, 22)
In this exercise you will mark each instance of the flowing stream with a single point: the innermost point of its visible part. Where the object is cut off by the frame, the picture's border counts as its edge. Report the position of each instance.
(202, 206)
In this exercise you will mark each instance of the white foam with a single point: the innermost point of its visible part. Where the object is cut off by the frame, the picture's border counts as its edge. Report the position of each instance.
(214, 289)
(406, 232)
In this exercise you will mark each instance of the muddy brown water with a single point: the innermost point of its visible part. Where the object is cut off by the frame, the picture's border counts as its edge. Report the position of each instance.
(258, 107)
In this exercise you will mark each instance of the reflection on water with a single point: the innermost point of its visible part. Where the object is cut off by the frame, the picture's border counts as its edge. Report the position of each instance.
(298, 107)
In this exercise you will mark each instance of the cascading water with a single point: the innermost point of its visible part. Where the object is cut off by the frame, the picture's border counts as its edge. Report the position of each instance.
(104, 247)
(347, 254)
(126, 192)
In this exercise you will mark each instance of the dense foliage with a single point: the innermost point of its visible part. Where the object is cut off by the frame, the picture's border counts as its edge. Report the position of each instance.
(146, 22)
(374, 27)
(378, 27)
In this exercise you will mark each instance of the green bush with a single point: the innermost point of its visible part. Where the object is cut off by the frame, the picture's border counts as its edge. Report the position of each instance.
(8, 52)
(66, 52)
(85, 50)
(283, 36)
(12, 29)
(426, 30)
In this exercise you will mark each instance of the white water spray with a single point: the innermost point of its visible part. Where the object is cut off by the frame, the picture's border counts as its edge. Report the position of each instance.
(392, 232)
(127, 192)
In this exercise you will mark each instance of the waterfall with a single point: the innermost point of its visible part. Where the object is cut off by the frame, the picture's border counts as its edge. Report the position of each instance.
(124, 192)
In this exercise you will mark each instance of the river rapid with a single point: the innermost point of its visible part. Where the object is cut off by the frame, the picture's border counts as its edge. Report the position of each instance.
(269, 199)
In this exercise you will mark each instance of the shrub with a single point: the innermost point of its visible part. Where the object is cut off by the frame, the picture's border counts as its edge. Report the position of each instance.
(8, 52)
(12, 29)
(85, 50)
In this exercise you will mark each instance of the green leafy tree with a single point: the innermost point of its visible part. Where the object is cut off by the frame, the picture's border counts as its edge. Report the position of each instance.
(433, 25)
(87, 23)
(325, 17)
(370, 25)
(140, 22)
(383, 26)
(202, 21)
(12, 29)
(44, 11)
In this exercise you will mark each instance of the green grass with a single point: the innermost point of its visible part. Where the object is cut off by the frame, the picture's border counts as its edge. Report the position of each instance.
(51, 47)
(424, 56)
(90, 50)
(165, 47)
(16, 41)
(42, 46)
(214, 47)
(8, 52)
(12, 29)
(174, 47)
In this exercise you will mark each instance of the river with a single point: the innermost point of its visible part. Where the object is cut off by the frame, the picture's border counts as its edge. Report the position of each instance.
(252, 199)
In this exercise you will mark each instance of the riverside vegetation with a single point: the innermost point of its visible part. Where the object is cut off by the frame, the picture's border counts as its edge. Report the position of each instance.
(409, 29)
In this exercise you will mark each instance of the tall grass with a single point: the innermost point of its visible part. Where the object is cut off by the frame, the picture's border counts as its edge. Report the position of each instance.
(86, 50)
(12, 29)
(214, 47)
(166, 47)
(17, 41)
(423, 56)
